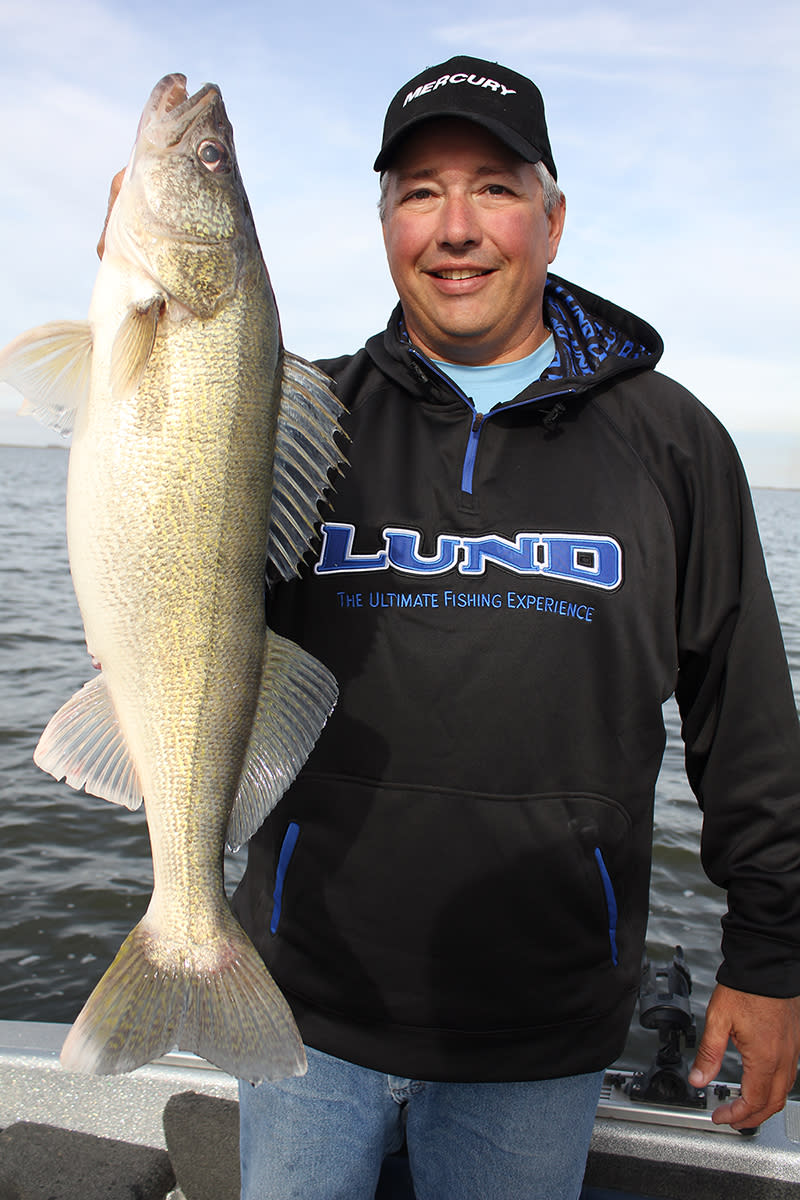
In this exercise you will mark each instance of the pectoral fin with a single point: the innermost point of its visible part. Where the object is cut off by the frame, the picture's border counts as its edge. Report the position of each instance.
(51, 366)
(297, 696)
(133, 346)
(83, 744)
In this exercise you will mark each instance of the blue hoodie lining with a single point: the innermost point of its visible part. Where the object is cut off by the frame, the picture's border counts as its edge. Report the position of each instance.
(597, 341)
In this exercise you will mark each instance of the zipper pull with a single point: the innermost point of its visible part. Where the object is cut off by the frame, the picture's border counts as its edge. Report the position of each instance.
(477, 422)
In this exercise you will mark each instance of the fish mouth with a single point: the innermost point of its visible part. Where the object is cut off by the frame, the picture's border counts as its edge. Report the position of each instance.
(170, 109)
(168, 94)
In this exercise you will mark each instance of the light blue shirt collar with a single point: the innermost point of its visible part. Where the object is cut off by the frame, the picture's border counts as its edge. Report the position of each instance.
(498, 382)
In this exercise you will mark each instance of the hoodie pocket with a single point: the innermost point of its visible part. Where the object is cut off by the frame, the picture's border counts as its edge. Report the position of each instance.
(458, 910)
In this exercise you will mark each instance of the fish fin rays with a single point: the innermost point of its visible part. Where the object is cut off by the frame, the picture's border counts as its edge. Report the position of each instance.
(296, 698)
(216, 1000)
(133, 346)
(305, 451)
(51, 367)
(84, 745)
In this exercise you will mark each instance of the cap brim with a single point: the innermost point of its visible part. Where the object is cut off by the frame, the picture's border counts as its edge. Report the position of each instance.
(525, 149)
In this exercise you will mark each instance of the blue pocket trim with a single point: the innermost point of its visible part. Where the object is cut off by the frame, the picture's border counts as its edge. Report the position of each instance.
(285, 857)
(611, 903)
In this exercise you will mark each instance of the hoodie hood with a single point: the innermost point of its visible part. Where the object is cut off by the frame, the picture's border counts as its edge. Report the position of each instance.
(595, 341)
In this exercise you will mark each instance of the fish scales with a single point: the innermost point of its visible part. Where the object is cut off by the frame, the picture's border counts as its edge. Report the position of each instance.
(180, 393)
(175, 609)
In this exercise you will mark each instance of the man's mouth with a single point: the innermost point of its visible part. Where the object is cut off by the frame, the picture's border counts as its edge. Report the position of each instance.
(461, 273)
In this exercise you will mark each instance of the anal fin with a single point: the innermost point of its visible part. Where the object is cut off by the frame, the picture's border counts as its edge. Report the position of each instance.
(296, 698)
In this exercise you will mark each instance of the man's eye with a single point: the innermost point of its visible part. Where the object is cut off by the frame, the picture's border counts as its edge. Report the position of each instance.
(497, 189)
(420, 194)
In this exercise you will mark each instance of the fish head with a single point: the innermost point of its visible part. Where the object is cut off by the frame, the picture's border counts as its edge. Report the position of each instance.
(182, 214)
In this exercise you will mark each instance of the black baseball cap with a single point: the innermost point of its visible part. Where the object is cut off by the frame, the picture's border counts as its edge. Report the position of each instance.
(507, 104)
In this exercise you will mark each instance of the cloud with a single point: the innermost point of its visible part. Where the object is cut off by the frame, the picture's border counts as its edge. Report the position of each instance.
(713, 33)
(675, 136)
(770, 460)
(56, 35)
(673, 129)
(746, 392)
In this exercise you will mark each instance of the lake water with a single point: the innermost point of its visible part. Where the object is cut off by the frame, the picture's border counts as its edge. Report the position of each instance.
(75, 872)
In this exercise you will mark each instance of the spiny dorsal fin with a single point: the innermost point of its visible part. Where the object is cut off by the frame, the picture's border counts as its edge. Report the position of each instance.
(297, 696)
(133, 346)
(51, 366)
(84, 745)
(305, 451)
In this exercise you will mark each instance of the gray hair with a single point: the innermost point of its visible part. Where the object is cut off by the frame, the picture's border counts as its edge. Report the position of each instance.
(551, 192)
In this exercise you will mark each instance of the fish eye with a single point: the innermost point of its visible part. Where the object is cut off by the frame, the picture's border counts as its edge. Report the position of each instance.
(213, 155)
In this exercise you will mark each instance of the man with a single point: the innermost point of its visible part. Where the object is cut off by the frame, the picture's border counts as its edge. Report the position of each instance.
(538, 540)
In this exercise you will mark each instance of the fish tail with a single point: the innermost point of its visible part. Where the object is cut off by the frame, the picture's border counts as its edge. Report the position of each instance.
(217, 1000)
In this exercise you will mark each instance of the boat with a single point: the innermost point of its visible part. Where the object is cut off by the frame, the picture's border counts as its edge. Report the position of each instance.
(169, 1131)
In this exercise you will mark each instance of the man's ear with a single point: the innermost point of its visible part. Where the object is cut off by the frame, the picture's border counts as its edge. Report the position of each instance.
(556, 219)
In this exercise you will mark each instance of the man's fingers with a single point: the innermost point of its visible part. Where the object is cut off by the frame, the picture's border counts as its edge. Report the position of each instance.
(762, 1094)
(711, 1051)
(766, 1032)
(116, 184)
(744, 1113)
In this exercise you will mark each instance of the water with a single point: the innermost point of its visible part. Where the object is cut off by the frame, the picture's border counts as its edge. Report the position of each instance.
(75, 872)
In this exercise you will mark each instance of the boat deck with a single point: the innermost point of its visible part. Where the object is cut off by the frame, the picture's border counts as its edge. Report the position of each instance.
(169, 1131)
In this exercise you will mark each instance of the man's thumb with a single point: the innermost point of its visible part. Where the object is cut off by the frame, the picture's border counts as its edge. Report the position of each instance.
(710, 1053)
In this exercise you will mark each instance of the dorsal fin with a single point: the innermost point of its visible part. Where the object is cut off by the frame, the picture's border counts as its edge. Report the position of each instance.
(305, 451)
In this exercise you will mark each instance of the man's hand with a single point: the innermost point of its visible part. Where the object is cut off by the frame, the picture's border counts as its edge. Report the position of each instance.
(116, 184)
(766, 1032)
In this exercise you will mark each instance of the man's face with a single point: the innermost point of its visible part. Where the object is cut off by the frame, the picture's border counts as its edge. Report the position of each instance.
(468, 244)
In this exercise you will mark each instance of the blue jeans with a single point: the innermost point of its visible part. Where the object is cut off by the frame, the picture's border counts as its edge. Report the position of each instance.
(324, 1136)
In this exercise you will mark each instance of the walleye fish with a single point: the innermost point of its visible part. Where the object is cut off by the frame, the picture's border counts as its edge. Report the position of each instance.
(200, 451)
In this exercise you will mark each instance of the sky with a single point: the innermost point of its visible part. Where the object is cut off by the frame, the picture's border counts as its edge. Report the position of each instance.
(674, 129)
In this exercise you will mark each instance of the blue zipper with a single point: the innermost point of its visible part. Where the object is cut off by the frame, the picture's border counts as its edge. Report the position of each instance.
(471, 453)
(478, 419)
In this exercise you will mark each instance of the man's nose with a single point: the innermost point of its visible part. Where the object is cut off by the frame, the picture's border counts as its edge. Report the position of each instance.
(459, 224)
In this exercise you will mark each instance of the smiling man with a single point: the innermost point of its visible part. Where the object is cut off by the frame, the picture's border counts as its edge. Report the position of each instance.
(469, 240)
(538, 541)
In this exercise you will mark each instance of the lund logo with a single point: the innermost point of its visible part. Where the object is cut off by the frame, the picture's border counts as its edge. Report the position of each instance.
(591, 559)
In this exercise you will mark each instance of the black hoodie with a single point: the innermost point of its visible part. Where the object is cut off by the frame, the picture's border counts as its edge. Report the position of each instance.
(456, 886)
